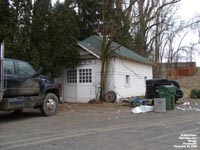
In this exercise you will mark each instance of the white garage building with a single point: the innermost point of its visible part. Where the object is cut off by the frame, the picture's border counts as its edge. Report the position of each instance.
(127, 72)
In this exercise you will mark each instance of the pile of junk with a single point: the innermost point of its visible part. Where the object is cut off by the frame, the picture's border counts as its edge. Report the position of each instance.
(161, 95)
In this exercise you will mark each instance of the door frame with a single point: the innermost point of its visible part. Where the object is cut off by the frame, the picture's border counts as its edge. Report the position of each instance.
(85, 82)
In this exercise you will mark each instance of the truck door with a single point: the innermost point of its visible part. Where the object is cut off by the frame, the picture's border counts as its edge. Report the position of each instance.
(12, 80)
(29, 85)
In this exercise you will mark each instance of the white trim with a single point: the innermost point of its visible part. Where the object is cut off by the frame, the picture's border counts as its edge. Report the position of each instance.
(87, 88)
(97, 56)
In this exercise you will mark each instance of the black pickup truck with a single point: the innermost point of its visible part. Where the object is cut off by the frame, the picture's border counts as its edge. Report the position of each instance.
(26, 88)
(152, 86)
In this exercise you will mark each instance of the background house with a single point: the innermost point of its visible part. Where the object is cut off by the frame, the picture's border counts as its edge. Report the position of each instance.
(179, 69)
(126, 76)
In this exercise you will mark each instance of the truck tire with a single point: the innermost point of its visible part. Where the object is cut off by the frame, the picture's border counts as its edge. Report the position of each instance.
(50, 105)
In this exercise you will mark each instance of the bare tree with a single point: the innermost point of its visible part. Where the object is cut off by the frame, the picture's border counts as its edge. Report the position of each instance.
(146, 24)
(172, 41)
(114, 18)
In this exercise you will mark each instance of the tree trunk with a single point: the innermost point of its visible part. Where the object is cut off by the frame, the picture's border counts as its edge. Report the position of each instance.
(157, 46)
(105, 60)
(104, 73)
(142, 25)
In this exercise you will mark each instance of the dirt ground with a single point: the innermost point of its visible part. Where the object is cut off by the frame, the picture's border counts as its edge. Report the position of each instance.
(99, 127)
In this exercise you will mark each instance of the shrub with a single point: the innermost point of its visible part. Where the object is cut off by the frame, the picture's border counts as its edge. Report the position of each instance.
(198, 94)
(194, 93)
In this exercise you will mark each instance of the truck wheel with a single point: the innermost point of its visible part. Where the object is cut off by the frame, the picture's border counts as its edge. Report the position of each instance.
(50, 105)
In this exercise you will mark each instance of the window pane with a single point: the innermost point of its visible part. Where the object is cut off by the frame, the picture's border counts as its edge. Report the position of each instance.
(85, 75)
(25, 68)
(9, 67)
(71, 76)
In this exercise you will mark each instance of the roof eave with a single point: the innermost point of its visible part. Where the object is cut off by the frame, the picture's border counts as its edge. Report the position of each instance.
(133, 60)
(89, 51)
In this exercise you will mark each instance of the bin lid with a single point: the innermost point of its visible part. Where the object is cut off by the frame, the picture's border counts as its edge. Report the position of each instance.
(167, 89)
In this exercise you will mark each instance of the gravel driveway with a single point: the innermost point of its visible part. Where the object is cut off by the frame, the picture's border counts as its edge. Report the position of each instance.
(100, 127)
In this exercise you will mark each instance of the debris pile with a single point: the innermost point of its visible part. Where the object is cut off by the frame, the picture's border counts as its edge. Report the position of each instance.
(142, 109)
(187, 106)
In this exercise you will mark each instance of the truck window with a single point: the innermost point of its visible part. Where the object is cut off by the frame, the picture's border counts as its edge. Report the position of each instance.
(25, 68)
(9, 67)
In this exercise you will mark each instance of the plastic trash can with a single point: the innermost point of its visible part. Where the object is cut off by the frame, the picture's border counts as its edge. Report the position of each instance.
(168, 92)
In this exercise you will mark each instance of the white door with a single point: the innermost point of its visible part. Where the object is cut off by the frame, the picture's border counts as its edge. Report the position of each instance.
(70, 85)
(85, 84)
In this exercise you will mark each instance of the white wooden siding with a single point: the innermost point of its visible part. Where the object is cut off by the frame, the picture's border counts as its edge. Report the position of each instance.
(97, 76)
(110, 78)
(137, 72)
(118, 69)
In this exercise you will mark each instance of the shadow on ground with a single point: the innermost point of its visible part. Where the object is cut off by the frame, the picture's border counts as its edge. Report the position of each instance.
(11, 116)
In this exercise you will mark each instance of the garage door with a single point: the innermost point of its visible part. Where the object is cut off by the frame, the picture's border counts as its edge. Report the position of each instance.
(85, 84)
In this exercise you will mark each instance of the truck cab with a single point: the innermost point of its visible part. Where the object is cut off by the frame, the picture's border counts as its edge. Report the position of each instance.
(23, 87)
(20, 79)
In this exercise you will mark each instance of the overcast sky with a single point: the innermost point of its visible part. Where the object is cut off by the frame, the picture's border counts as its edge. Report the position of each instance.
(188, 9)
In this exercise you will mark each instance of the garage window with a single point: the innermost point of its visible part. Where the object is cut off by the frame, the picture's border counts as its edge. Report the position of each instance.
(127, 81)
(71, 76)
(85, 75)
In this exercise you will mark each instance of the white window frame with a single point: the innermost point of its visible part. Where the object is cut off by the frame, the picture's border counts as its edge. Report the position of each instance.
(85, 75)
(127, 81)
(71, 76)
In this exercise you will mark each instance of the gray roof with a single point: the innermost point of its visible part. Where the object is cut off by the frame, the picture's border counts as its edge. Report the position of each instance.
(93, 45)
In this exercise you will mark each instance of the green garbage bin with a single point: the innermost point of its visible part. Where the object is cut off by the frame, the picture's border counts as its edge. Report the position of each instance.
(168, 92)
